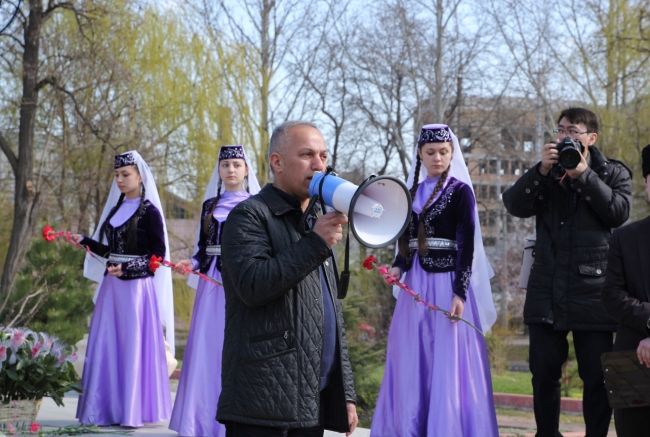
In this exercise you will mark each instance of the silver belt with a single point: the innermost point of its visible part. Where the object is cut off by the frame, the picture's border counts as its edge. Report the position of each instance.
(119, 258)
(213, 250)
(434, 243)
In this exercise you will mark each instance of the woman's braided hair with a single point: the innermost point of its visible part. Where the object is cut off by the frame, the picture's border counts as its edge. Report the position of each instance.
(422, 235)
(102, 231)
(403, 242)
(208, 218)
(132, 235)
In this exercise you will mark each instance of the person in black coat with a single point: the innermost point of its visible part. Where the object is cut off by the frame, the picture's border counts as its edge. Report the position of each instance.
(626, 297)
(286, 370)
(575, 210)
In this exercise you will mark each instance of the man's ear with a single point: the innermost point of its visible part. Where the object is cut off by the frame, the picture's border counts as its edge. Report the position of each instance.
(592, 139)
(276, 162)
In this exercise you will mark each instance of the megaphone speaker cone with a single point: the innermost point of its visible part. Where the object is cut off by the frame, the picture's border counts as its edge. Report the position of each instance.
(395, 200)
(379, 210)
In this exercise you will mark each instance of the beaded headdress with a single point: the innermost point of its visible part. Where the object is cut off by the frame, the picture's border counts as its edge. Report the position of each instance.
(124, 159)
(435, 133)
(231, 152)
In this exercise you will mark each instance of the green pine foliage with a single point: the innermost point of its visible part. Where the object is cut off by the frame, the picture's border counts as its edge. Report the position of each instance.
(368, 311)
(183, 307)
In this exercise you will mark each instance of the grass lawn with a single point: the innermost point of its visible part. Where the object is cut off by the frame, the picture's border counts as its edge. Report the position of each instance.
(506, 382)
(512, 382)
(530, 416)
(519, 383)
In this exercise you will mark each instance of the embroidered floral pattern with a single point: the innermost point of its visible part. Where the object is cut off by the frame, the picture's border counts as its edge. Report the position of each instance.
(464, 279)
(437, 207)
(116, 238)
(440, 263)
(118, 242)
(440, 134)
(137, 267)
(439, 257)
(124, 159)
(212, 233)
(231, 152)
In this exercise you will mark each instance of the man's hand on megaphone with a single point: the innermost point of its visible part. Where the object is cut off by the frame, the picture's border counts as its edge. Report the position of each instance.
(328, 227)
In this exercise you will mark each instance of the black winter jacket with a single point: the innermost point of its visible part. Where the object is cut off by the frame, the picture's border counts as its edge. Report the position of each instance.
(574, 222)
(274, 321)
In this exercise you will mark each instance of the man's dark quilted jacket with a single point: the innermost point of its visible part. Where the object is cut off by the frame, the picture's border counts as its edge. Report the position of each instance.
(274, 321)
(574, 222)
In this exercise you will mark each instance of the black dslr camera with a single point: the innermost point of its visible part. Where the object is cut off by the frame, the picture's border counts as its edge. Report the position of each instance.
(569, 153)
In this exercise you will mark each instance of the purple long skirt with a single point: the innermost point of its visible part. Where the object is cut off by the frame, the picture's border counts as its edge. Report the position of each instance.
(125, 378)
(199, 387)
(437, 379)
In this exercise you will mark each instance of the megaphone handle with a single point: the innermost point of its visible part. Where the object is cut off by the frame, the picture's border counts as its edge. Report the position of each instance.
(344, 279)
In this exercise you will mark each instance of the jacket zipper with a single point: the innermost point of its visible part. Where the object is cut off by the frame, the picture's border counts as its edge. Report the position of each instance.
(262, 337)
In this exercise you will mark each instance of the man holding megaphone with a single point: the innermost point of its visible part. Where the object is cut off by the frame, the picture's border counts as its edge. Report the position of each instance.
(286, 370)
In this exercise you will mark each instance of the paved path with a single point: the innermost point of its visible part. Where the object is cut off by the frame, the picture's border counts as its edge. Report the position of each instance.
(51, 417)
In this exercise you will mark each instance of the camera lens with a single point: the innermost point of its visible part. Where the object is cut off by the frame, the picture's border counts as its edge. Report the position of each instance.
(569, 158)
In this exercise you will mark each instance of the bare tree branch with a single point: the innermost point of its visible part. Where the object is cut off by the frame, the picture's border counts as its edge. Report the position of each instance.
(11, 156)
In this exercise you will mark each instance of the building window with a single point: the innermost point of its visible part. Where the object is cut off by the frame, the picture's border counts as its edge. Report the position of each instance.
(482, 191)
(178, 212)
(514, 168)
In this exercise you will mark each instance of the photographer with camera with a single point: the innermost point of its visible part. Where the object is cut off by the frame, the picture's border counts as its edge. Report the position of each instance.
(577, 196)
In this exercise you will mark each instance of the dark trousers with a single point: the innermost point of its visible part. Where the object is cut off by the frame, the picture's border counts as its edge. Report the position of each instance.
(632, 422)
(234, 429)
(548, 351)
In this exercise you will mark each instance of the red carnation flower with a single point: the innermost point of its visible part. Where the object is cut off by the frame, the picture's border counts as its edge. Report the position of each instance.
(34, 427)
(368, 329)
(368, 263)
(155, 263)
(49, 234)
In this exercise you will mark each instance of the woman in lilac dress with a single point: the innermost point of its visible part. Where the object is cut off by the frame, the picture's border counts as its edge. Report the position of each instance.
(437, 378)
(195, 408)
(125, 379)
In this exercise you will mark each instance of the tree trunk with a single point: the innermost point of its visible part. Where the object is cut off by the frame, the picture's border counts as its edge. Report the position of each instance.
(262, 160)
(438, 95)
(27, 201)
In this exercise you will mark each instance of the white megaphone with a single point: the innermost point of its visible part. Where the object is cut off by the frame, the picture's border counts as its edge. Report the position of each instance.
(378, 211)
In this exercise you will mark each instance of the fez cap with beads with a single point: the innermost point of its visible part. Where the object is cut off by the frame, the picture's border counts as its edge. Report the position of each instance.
(434, 133)
(124, 159)
(231, 152)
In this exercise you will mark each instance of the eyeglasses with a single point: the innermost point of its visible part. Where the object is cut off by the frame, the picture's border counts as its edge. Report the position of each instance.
(570, 132)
